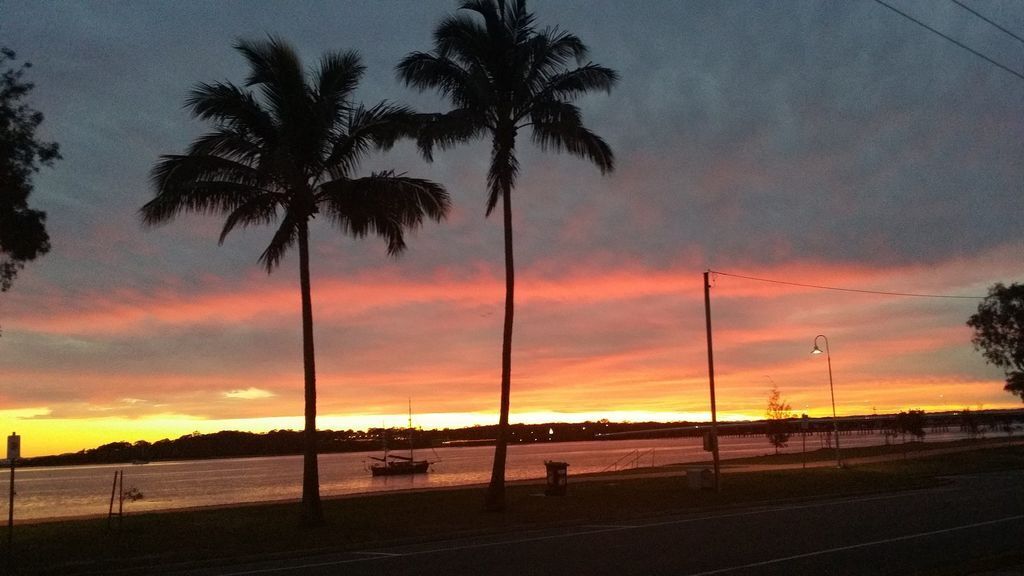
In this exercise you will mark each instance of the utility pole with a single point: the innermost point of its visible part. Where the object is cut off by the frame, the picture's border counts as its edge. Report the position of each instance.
(711, 381)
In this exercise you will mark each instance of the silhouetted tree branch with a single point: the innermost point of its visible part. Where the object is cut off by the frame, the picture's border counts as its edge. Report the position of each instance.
(999, 333)
(23, 234)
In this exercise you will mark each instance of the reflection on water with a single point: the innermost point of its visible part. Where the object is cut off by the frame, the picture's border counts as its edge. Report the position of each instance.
(85, 490)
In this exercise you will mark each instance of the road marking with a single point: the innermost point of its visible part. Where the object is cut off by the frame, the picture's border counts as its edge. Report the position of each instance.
(377, 553)
(604, 526)
(768, 509)
(302, 567)
(861, 545)
(296, 568)
(589, 530)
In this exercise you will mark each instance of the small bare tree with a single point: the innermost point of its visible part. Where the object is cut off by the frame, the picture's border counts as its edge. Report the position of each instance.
(911, 422)
(777, 420)
(970, 423)
(1006, 425)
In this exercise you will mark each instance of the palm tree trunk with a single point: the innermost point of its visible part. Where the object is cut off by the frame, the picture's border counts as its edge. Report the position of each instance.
(312, 511)
(495, 500)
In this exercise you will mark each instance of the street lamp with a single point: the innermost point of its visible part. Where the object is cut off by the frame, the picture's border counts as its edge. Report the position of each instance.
(835, 425)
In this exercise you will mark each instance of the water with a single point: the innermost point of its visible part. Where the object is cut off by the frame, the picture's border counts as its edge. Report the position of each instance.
(85, 490)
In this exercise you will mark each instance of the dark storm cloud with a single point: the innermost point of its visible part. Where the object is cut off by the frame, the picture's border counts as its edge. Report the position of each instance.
(769, 131)
(744, 131)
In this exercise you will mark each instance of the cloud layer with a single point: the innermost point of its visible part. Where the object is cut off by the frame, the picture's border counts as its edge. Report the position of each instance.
(831, 144)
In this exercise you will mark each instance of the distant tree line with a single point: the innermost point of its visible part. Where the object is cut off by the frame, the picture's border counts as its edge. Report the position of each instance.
(235, 444)
(227, 444)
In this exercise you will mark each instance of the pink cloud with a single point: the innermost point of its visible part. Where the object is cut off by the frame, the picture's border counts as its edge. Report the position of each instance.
(589, 337)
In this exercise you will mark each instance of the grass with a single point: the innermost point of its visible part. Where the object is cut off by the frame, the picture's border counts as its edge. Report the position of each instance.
(865, 451)
(217, 535)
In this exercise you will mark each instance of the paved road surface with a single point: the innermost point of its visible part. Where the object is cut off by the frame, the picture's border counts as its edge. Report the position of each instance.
(899, 533)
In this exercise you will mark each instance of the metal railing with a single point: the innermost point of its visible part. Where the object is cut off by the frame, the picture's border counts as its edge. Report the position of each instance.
(630, 460)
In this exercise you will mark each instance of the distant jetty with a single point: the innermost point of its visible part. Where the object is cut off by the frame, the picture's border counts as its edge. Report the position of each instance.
(457, 443)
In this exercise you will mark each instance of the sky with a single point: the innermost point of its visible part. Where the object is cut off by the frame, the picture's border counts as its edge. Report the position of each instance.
(824, 143)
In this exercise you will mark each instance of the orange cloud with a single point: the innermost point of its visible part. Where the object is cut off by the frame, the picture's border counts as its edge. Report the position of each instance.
(588, 340)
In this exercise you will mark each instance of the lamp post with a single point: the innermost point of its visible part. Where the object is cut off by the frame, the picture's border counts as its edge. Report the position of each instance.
(831, 389)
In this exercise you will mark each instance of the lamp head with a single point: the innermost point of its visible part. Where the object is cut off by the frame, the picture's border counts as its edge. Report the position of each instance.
(816, 349)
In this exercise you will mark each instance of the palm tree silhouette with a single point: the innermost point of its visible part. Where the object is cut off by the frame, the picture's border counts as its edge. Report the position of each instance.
(501, 75)
(282, 155)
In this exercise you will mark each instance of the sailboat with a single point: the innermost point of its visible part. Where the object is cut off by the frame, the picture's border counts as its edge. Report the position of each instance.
(397, 465)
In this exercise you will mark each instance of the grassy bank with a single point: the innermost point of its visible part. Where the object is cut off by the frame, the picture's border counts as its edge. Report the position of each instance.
(897, 449)
(212, 535)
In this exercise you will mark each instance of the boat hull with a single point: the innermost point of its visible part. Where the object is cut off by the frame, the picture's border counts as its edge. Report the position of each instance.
(400, 468)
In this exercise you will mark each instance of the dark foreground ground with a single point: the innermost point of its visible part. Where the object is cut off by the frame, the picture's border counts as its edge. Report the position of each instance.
(952, 513)
(938, 530)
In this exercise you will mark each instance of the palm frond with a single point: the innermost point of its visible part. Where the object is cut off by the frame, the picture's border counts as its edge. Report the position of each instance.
(462, 39)
(559, 128)
(261, 209)
(490, 11)
(510, 22)
(180, 170)
(202, 184)
(518, 22)
(285, 236)
(270, 61)
(276, 69)
(229, 106)
(334, 82)
(502, 174)
(554, 111)
(575, 83)
(366, 129)
(229, 144)
(338, 75)
(549, 53)
(444, 131)
(384, 204)
(424, 71)
(560, 47)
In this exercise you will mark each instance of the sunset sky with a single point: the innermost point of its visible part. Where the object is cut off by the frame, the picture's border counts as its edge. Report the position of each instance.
(826, 143)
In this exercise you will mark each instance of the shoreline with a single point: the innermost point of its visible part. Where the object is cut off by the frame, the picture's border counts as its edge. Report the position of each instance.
(892, 452)
(212, 538)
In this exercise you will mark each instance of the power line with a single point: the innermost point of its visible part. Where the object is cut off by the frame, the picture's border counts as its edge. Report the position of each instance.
(979, 15)
(953, 40)
(859, 291)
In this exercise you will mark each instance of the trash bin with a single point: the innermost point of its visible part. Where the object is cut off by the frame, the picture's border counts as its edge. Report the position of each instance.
(557, 476)
(699, 477)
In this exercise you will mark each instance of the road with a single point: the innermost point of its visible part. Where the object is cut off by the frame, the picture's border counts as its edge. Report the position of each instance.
(899, 533)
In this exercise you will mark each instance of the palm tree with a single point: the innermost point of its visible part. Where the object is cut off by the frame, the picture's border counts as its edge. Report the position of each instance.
(281, 156)
(501, 75)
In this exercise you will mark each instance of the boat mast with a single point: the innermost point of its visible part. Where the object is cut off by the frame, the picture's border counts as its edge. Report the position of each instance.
(410, 429)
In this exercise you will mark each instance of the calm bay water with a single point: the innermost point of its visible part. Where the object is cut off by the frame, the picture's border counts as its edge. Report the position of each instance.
(85, 490)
